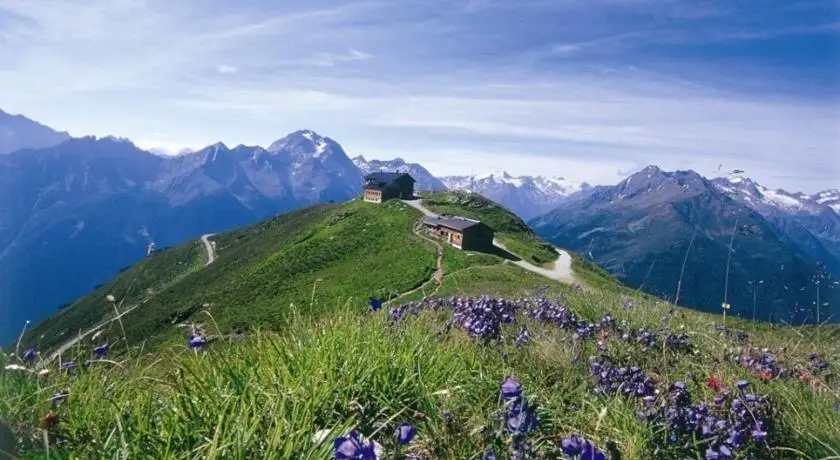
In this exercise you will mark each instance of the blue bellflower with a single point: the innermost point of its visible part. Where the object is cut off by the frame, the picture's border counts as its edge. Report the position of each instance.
(405, 433)
(353, 448)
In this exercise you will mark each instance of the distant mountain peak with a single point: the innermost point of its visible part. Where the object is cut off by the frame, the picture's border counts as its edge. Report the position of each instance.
(425, 180)
(830, 198)
(18, 132)
(305, 142)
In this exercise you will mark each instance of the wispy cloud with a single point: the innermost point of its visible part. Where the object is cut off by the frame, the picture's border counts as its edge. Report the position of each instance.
(580, 88)
(332, 59)
(224, 68)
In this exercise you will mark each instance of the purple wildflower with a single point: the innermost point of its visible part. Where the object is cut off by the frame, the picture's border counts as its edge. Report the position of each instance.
(405, 433)
(575, 446)
(353, 448)
(30, 355)
(101, 351)
(197, 341)
(522, 337)
(375, 304)
(511, 389)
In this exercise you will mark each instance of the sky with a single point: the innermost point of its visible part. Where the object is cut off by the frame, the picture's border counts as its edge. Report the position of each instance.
(590, 90)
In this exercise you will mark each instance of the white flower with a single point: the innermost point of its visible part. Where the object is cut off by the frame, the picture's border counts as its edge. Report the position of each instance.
(110, 298)
(321, 436)
(15, 367)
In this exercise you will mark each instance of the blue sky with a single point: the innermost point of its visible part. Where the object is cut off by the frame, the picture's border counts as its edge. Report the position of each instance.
(586, 89)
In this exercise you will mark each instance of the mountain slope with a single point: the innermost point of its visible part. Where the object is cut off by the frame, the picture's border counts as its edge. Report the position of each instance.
(102, 201)
(425, 179)
(527, 196)
(272, 265)
(813, 226)
(18, 132)
(290, 344)
(640, 231)
(829, 198)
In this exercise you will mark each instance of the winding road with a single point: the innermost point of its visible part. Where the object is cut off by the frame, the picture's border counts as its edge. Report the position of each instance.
(561, 270)
(209, 246)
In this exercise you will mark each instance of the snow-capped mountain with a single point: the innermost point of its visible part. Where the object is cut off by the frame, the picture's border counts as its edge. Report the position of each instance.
(425, 179)
(812, 224)
(640, 230)
(528, 196)
(829, 198)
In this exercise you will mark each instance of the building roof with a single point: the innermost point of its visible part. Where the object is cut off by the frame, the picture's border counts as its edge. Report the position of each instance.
(455, 223)
(386, 178)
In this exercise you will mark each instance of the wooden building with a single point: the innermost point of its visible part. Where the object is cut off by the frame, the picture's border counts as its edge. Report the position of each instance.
(382, 186)
(463, 233)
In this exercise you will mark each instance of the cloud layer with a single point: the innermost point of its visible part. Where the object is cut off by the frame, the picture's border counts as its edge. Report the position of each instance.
(582, 89)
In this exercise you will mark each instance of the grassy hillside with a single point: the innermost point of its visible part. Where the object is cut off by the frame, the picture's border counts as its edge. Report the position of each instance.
(151, 275)
(317, 259)
(510, 229)
(315, 361)
(352, 368)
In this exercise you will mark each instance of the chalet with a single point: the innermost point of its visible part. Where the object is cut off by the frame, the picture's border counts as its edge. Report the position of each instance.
(463, 233)
(382, 186)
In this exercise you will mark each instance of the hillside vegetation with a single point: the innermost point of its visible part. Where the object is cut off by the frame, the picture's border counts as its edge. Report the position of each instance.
(316, 258)
(512, 231)
(351, 368)
(635, 377)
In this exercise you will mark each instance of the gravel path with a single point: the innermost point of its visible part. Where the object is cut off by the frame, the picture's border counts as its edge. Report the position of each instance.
(560, 271)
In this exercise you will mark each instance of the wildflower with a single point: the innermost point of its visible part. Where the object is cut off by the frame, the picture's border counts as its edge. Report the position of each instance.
(405, 433)
(375, 304)
(67, 366)
(766, 375)
(522, 337)
(30, 355)
(59, 397)
(714, 383)
(489, 455)
(759, 435)
(101, 351)
(742, 384)
(320, 436)
(577, 446)
(521, 418)
(197, 341)
(353, 448)
(570, 446)
(511, 389)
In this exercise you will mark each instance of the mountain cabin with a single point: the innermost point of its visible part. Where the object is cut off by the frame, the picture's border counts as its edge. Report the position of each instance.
(382, 186)
(463, 233)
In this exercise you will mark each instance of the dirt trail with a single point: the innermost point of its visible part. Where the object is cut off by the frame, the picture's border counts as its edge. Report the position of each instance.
(560, 271)
(209, 246)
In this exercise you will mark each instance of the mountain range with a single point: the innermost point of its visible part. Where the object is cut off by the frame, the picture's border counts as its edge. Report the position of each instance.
(18, 132)
(650, 225)
(85, 208)
(425, 179)
(528, 196)
(88, 207)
